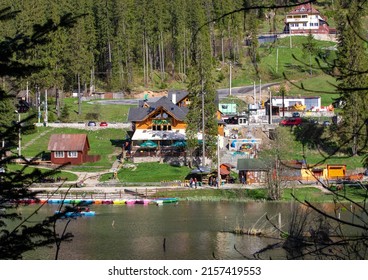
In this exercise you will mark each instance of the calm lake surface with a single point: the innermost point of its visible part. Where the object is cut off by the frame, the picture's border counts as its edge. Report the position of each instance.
(191, 230)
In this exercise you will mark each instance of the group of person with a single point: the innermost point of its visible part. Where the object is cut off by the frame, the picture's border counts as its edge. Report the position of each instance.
(212, 181)
(193, 183)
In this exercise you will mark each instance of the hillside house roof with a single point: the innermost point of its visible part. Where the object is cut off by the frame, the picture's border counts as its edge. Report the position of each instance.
(305, 9)
(68, 142)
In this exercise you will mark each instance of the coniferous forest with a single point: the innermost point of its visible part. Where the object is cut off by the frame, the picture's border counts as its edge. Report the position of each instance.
(118, 45)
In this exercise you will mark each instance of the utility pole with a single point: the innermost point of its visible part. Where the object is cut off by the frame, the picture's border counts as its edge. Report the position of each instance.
(291, 43)
(38, 101)
(270, 118)
(203, 127)
(218, 161)
(27, 93)
(19, 135)
(254, 92)
(260, 92)
(79, 97)
(230, 79)
(46, 118)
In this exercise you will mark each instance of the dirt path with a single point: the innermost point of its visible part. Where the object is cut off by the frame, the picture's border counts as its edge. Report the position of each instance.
(36, 138)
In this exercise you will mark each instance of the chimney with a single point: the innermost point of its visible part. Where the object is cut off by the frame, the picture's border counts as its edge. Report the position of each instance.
(173, 98)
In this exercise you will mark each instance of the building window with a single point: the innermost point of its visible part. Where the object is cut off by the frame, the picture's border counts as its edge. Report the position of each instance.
(72, 154)
(304, 16)
(316, 24)
(310, 24)
(304, 24)
(163, 127)
(59, 154)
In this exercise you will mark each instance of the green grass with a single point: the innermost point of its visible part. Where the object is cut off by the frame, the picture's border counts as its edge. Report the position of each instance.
(109, 113)
(29, 169)
(303, 194)
(153, 172)
(299, 80)
(294, 151)
(215, 194)
(106, 112)
(306, 194)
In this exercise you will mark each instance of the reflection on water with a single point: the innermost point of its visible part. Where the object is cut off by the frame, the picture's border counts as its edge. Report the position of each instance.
(188, 230)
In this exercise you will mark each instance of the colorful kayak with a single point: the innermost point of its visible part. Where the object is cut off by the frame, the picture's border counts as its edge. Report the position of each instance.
(77, 214)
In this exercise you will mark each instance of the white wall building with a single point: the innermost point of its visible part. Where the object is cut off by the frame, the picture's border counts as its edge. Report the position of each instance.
(305, 19)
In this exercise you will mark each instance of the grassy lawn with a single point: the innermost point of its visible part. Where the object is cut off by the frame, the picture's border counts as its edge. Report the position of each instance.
(105, 142)
(215, 194)
(153, 172)
(306, 194)
(29, 169)
(294, 151)
(303, 194)
(107, 112)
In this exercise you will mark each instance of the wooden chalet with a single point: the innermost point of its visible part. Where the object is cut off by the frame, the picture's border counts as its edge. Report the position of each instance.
(159, 126)
(70, 149)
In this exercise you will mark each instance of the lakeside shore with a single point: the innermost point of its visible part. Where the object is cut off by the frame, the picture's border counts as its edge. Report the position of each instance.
(119, 191)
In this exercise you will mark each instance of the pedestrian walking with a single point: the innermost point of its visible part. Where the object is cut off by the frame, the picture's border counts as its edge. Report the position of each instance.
(243, 179)
(191, 182)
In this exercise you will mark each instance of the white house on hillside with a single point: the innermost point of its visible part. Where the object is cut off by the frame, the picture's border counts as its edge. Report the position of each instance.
(306, 19)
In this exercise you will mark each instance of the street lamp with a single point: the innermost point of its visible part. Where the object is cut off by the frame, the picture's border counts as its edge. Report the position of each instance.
(19, 134)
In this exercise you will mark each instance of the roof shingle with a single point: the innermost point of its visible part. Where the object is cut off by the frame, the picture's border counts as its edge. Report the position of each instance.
(68, 142)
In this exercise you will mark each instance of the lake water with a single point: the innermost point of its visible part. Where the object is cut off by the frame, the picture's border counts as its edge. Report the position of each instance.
(190, 231)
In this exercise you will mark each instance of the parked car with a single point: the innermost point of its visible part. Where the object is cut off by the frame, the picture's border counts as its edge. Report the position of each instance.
(291, 121)
(91, 123)
(103, 123)
(326, 123)
(296, 115)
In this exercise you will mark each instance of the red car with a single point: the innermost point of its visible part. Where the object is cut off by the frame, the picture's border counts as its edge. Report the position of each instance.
(291, 122)
(103, 123)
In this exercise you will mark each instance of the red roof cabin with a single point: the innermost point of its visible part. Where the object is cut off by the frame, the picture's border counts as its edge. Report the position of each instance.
(70, 149)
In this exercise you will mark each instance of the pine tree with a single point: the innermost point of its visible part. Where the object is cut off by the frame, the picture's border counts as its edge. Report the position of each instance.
(15, 185)
(351, 64)
(201, 86)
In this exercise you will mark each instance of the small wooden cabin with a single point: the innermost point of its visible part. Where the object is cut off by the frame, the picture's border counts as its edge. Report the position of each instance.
(70, 149)
(254, 170)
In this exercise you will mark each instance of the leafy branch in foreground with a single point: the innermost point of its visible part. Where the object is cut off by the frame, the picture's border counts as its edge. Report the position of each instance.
(18, 234)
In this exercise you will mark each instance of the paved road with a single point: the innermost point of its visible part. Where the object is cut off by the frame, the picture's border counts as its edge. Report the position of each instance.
(222, 93)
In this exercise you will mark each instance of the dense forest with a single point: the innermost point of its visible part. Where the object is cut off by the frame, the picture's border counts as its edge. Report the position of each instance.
(120, 45)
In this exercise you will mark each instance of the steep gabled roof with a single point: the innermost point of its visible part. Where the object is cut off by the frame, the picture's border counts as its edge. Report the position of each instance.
(68, 142)
(140, 113)
(304, 9)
